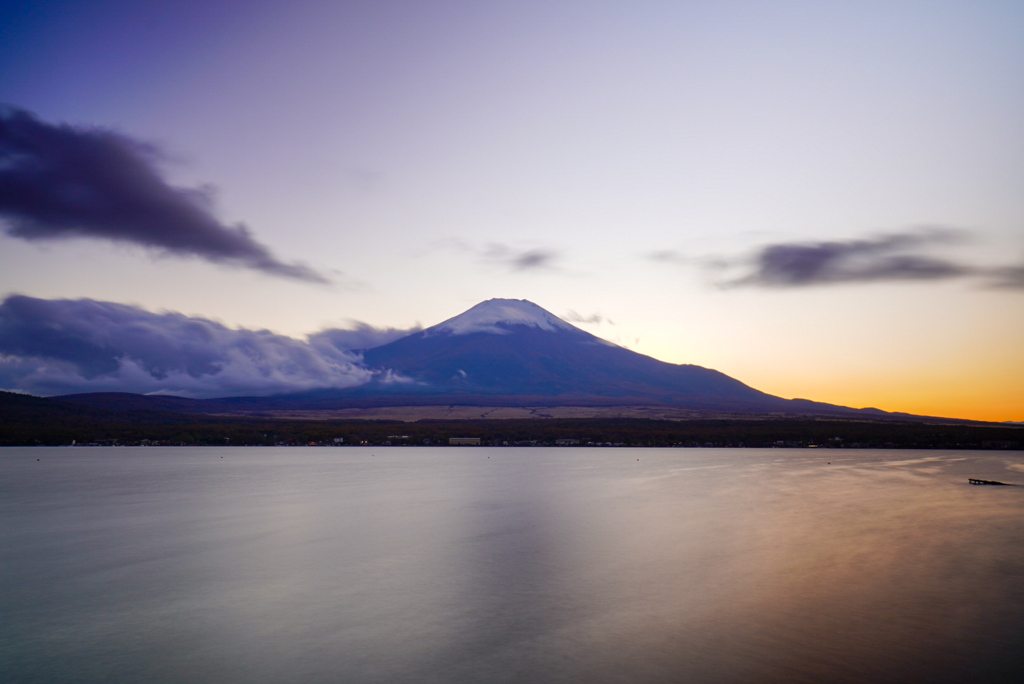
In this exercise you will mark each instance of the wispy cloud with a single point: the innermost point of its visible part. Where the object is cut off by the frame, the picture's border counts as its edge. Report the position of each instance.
(669, 256)
(65, 346)
(62, 181)
(596, 318)
(1007, 278)
(516, 259)
(520, 259)
(892, 257)
(909, 255)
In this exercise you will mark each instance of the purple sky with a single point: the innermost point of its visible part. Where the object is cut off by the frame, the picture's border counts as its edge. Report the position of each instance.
(821, 199)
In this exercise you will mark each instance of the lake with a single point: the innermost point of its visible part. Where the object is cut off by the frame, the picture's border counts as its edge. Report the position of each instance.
(509, 565)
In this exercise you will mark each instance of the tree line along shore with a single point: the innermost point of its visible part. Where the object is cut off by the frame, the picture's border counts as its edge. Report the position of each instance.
(35, 421)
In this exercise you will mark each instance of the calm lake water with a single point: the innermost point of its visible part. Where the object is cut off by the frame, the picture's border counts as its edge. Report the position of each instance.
(509, 565)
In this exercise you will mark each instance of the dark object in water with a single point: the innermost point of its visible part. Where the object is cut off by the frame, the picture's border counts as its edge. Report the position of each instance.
(975, 481)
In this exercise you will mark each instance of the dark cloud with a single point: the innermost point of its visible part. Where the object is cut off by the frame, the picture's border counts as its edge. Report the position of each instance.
(1008, 278)
(885, 258)
(520, 260)
(64, 346)
(61, 181)
(360, 336)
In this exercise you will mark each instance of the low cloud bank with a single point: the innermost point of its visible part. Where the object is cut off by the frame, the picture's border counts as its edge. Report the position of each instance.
(360, 336)
(51, 347)
(61, 181)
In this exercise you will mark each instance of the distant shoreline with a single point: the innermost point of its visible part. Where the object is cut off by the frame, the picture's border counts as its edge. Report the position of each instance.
(30, 421)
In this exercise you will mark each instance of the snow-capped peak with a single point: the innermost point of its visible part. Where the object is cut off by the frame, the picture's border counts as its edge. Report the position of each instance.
(495, 316)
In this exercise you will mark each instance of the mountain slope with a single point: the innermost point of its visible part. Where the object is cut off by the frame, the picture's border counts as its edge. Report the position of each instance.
(506, 352)
(539, 363)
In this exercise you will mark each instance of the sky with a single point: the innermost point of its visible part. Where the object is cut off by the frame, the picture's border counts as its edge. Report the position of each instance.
(820, 199)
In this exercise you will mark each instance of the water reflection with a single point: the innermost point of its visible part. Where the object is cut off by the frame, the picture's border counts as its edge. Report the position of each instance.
(509, 565)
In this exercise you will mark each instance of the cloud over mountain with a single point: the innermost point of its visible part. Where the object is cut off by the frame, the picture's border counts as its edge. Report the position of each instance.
(64, 346)
(574, 317)
(360, 336)
(62, 181)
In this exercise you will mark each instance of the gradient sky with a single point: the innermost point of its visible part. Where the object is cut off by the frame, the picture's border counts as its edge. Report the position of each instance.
(821, 199)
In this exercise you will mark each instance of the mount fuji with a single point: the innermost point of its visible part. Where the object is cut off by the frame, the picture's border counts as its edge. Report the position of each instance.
(513, 353)
(508, 351)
